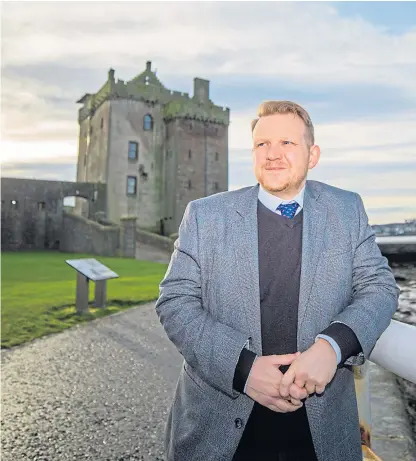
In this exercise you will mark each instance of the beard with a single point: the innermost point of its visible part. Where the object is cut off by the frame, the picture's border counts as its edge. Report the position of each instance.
(280, 182)
(275, 182)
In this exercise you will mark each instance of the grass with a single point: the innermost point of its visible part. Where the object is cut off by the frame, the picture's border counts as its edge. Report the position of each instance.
(38, 292)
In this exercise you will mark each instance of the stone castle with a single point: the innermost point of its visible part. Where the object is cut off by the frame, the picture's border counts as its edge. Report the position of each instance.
(144, 153)
(155, 149)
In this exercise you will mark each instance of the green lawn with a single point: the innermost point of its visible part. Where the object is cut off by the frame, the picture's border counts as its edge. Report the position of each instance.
(38, 292)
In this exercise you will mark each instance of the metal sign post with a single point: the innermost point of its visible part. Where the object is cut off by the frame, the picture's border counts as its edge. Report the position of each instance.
(90, 269)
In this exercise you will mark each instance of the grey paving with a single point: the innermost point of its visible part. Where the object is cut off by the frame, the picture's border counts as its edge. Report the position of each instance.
(99, 391)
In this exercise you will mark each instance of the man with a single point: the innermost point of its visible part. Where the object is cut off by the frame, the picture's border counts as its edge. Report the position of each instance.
(272, 293)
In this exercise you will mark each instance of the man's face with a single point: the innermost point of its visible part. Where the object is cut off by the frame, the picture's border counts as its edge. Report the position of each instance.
(281, 156)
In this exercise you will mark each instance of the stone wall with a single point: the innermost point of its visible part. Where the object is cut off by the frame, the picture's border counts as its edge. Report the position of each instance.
(32, 210)
(158, 241)
(80, 235)
(93, 151)
(196, 165)
(126, 119)
(33, 218)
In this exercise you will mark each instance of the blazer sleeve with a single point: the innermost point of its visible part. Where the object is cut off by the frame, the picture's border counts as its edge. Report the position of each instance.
(374, 290)
(210, 347)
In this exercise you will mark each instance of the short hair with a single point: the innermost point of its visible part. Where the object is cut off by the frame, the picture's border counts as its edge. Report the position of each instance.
(286, 107)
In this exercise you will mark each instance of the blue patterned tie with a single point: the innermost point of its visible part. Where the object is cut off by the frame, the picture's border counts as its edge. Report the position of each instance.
(288, 210)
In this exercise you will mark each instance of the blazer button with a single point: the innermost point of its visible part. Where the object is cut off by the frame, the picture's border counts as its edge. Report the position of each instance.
(238, 423)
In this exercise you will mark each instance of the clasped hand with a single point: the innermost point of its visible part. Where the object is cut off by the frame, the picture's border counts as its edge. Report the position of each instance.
(308, 372)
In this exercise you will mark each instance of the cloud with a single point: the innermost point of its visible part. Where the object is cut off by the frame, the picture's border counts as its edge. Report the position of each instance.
(62, 170)
(384, 185)
(33, 110)
(38, 151)
(355, 78)
(392, 138)
(304, 42)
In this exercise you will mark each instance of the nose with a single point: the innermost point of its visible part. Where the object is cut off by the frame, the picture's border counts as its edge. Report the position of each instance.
(274, 152)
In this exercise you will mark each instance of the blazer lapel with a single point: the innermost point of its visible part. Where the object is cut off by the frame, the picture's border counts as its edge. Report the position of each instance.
(314, 222)
(245, 236)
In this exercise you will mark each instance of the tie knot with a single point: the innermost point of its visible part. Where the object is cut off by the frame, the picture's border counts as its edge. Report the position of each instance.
(288, 210)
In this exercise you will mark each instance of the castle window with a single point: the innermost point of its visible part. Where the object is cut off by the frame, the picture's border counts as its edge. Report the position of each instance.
(133, 152)
(41, 206)
(217, 156)
(189, 184)
(215, 186)
(189, 153)
(102, 123)
(148, 122)
(131, 185)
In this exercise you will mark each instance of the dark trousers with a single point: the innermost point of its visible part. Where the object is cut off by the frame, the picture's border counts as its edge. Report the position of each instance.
(271, 436)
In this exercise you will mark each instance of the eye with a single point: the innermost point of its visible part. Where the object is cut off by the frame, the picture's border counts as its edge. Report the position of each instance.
(260, 144)
(287, 142)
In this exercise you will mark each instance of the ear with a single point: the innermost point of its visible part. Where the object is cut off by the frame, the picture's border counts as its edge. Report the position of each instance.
(314, 156)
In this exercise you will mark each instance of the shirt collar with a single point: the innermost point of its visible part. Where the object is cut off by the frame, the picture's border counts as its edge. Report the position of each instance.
(272, 202)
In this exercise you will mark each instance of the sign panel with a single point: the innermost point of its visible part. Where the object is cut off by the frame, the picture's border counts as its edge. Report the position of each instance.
(92, 269)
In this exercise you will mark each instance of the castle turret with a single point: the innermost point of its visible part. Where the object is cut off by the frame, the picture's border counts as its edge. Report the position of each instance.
(201, 90)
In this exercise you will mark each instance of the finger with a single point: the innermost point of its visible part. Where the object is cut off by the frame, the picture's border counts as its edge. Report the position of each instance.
(285, 359)
(294, 401)
(283, 406)
(286, 381)
(310, 387)
(320, 389)
(300, 382)
(297, 392)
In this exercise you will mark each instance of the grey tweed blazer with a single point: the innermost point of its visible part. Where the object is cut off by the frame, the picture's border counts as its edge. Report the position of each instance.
(209, 306)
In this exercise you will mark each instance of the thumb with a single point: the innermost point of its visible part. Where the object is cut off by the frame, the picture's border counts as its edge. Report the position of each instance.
(285, 359)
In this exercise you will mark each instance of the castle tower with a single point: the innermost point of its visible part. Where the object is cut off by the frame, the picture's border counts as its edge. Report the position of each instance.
(156, 149)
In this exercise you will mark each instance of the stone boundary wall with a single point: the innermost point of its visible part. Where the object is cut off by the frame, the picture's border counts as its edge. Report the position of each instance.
(158, 241)
(80, 235)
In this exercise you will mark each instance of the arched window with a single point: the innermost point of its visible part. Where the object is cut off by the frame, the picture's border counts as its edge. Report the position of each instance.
(148, 122)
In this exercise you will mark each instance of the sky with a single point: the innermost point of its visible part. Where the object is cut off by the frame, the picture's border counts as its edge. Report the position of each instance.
(352, 65)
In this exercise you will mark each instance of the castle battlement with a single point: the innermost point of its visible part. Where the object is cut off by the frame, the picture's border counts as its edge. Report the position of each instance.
(147, 87)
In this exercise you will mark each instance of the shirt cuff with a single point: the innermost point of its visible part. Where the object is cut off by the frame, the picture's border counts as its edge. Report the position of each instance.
(334, 345)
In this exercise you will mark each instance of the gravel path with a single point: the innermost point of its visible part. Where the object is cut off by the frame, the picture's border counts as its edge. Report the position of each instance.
(99, 391)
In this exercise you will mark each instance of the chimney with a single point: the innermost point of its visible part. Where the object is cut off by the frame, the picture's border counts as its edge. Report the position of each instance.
(148, 66)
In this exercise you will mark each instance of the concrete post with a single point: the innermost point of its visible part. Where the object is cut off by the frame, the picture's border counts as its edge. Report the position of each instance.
(82, 294)
(128, 237)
